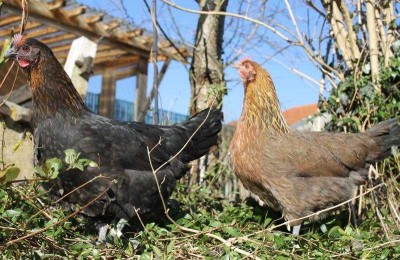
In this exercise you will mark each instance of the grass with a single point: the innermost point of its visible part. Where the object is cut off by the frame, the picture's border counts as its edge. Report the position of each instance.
(202, 224)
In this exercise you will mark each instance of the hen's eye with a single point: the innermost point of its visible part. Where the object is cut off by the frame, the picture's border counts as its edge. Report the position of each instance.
(25, 47)
(246, 66)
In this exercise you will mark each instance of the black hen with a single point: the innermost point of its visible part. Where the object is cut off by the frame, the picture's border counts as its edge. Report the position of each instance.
(62, 121)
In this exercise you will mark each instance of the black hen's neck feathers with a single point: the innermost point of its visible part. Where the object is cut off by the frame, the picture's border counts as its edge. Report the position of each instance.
(52, 91)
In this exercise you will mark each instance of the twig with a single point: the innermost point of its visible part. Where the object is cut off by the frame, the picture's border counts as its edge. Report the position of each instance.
(140, 219)
(232, 15)
(43, 212)
(5, 76)
(77, 188)
(12, 86)
(24, 18)
(382, 245)
(328, 209)
(27, 180)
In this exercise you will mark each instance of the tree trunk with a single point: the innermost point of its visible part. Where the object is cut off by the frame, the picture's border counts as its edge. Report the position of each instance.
(206, 70)
(373, 43)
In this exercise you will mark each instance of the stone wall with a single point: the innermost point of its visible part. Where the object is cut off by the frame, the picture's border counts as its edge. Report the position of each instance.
(17, 147)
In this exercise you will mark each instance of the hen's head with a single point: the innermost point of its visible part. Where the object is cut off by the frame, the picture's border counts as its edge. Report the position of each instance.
(27, 52)
(246, 69)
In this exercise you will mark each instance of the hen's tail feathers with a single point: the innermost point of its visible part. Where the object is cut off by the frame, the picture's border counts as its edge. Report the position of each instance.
(385, 134)
(205, 137)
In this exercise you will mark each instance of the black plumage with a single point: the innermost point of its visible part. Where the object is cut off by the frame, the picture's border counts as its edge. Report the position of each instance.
(61, 121)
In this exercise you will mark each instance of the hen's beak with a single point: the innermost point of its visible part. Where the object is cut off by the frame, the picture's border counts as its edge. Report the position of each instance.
(236, 65)
(10, 53)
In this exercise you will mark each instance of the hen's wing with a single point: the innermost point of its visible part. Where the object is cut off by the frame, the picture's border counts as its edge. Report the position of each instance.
(316, 154)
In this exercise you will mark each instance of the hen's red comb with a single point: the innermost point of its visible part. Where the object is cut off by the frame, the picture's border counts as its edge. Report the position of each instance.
(17, 39)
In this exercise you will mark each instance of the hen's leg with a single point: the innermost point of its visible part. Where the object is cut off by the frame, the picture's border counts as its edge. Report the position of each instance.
(103, 228)
(353, 214)
(296, 230)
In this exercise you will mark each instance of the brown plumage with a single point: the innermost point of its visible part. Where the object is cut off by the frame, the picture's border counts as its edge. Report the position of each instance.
(299, 173)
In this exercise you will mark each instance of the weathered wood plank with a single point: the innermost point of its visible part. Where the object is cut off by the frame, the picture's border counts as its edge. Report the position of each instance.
(55, 4)
(103, 64)
(141, 88)
(9, 19)
(125, 73)
(60, 38)
(29, 26)
(15, 112)
(107, 96)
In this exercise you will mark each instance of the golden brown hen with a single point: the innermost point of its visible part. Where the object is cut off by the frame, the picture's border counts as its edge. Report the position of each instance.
(299, 173)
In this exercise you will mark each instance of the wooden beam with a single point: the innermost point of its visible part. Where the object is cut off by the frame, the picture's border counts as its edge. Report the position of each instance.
(55, 4)
(94, 18)
(126, 73)
(100, 66)
(60, 38)
(61, 48)
(16, 112)
(141, 88)
(61, 52)
(107, 96)
(9, 19)
(112, 25)
(75, 12)
(107, 59)
(153, 91)
(110, 54)
(19, 95)
(134, 33)
(29, 26)
(47, 30)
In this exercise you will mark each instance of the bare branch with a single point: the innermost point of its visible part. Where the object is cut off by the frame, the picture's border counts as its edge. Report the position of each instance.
(281, 35)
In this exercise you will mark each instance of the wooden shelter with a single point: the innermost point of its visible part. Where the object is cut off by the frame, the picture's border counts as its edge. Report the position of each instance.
(123, 50)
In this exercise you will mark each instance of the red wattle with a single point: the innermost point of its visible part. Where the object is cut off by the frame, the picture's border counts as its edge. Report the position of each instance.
(23, 63)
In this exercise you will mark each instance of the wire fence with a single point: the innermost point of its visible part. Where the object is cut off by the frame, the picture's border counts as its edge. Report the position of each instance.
(125, 110)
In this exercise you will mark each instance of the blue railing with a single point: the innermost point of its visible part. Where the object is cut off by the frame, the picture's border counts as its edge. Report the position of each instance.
(124, 111)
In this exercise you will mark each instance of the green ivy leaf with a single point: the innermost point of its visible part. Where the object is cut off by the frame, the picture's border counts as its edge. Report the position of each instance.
(13, 213)
(77, 166)
(71, 156)
(53, 167)
(6, 47)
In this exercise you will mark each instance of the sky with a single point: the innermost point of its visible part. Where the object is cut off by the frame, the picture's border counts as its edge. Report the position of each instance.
(174, 91)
